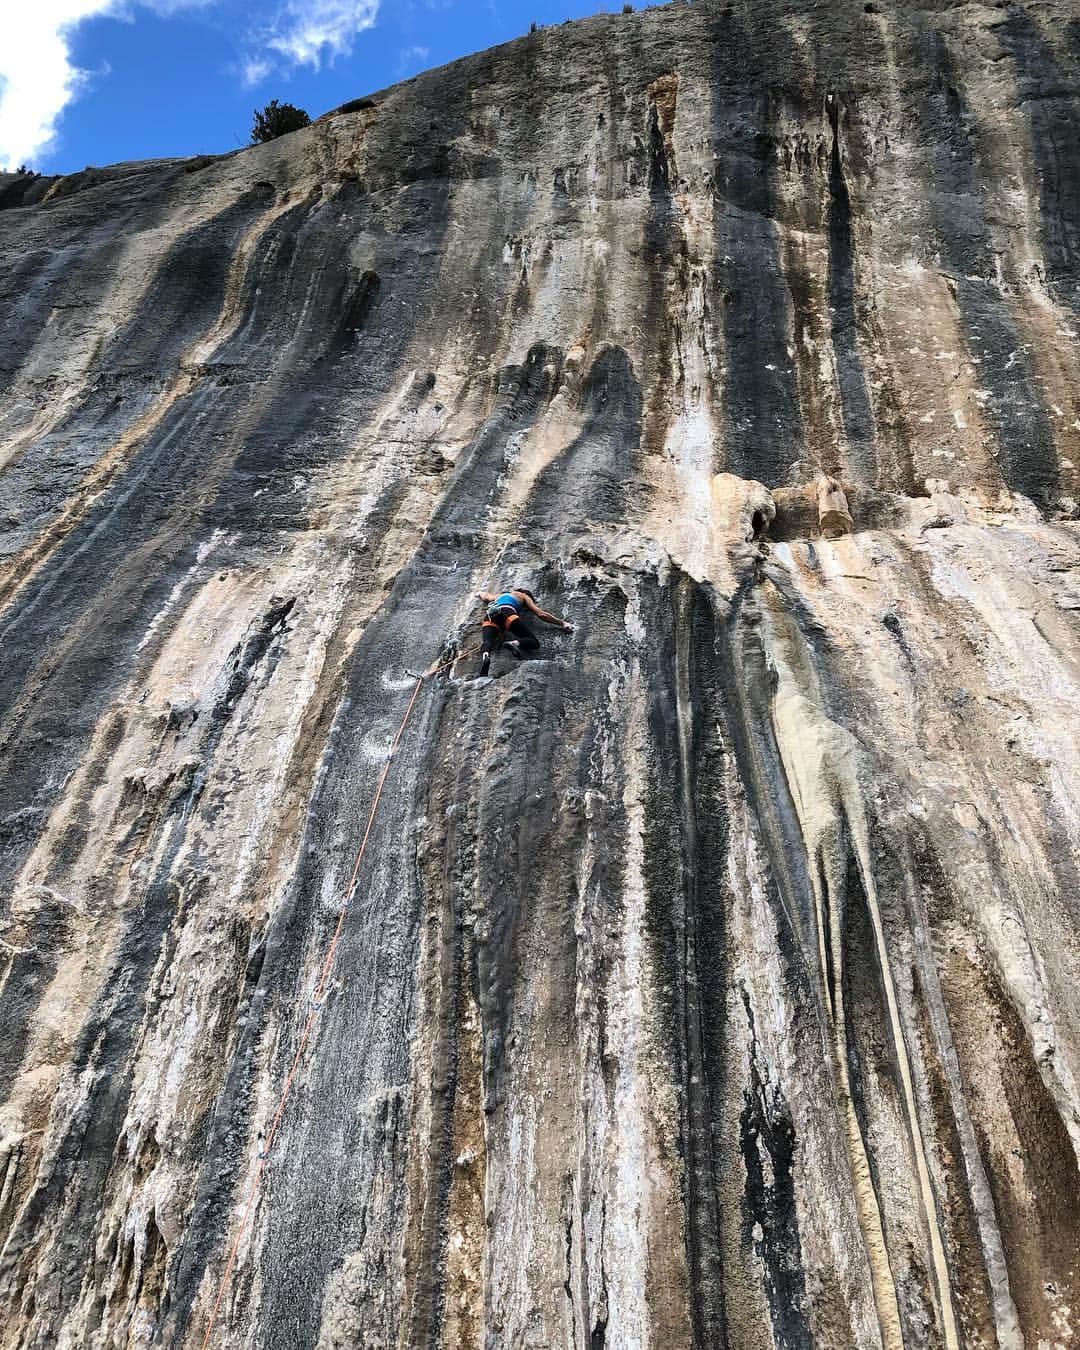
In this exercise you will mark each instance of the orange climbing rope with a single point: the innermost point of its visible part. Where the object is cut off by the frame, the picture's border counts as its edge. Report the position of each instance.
(316, 999)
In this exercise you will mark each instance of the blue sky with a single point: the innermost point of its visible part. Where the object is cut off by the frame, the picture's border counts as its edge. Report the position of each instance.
(96, 81)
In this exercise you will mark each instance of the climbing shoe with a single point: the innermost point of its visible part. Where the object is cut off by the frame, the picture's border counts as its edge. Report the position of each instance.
(514, 648)
(485, 662)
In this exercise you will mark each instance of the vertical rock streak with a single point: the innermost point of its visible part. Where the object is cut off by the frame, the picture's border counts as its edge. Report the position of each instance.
(821, 765)
(712, 978)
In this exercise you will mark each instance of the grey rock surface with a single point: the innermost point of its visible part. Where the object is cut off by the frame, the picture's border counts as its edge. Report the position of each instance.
(710, 980)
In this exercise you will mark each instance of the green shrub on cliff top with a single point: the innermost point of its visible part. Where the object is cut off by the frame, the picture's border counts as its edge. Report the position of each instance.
(275, 120)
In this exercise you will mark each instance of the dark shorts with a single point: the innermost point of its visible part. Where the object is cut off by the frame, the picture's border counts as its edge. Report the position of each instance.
(512, 626)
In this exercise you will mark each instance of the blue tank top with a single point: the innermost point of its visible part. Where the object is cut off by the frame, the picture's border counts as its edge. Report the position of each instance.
(507, 599)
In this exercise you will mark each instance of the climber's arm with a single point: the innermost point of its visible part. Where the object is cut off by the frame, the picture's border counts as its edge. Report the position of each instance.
(534, 608)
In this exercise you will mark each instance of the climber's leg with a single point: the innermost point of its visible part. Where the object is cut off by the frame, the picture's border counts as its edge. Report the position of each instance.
(520, 634)
(487, 642)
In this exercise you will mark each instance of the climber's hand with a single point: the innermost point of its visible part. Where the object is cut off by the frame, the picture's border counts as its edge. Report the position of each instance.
(568, 627)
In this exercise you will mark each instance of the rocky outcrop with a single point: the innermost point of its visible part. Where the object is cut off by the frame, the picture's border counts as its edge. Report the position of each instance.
(710, 979)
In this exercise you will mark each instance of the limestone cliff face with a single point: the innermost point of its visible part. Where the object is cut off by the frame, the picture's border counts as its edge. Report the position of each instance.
(711, 979)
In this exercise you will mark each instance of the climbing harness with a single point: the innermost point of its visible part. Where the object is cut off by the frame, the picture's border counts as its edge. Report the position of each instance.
(318, 997)
(500, 612)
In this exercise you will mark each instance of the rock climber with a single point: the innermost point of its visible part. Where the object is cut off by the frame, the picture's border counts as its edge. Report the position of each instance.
(505, 615)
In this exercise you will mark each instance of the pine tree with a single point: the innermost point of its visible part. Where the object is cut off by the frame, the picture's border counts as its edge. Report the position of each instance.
(275, 120)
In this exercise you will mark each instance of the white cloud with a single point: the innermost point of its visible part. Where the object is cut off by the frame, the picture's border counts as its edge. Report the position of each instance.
(253, 70)
(37, 77)
(411, 59)
(307, 31)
